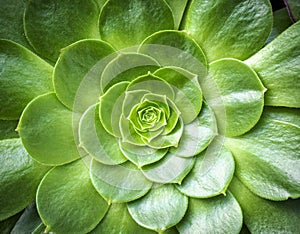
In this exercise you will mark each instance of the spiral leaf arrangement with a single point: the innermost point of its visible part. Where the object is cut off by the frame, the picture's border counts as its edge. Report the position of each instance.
(148, 116)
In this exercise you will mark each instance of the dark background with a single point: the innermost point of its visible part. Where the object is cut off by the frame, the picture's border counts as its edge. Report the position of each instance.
(277, 4)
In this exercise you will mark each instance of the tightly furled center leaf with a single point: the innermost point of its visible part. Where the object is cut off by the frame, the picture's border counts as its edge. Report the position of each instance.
(148, 117)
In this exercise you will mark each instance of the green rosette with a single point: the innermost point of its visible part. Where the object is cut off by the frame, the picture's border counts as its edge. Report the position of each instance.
(149, 117)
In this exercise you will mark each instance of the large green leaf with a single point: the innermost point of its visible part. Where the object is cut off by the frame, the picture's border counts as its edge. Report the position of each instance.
(52, 25)
(77, 73)
(188, 94)
(176, 48)
(229, 28)
(264, 216)
(198, 134)
(217, 215)
(126, 67)
(241, 93)
(19, 177)
(64, 193)
(119, 183)
(170, 169)
(128, 22)
(267, 158)
(23, 77)
(118, 220)
(211, 174)
(11, 21)
(163, 207)
(46, 130)
(96, 141)
(278, 66)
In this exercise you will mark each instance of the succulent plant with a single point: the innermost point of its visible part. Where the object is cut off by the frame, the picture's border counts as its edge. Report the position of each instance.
(142, 116)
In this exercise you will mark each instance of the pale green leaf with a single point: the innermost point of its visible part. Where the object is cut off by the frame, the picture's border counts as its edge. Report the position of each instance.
(278, 66)
(241, 95)
(265, 216)
(217, 215)
(211, 174)
(119, 183)
(102, 146)
(163, 207)
(267, 158)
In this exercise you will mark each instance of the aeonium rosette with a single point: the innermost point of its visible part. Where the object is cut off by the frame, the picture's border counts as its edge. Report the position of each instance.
(149, 116)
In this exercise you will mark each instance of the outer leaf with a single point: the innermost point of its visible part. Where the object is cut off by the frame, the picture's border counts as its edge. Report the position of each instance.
(178, 8)
(287, 115)
(142, 155)
(119, 183)
(23, 77)
(54, 24)
(171, 169)
(281, 21)
(127, 23)
(28, 222)
(118, 220)
(197, 135)
(160, 209)
(242, 95)
(264, 216)
(11, 21)
(70, 189)
(19, 177)
(267, 159)
(278, 66)
(211, 174)
(77, 73)
(229, 28)
(46, 130)
(176, 48)
(126, 67)
(102, 146)
(8, 129)
(220, 214)
(110, 108)
(188, 94)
